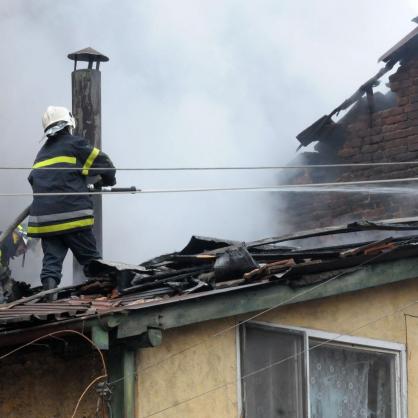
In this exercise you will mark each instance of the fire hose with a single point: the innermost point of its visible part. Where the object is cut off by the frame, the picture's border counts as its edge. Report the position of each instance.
(25, 213)
(94, 188)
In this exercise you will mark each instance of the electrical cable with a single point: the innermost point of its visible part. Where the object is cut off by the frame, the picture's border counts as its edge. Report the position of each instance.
(278, 188)
(292, 357)
(51, 334)
(220, 168)
(88, 387)
(68, 331)
(103, 400)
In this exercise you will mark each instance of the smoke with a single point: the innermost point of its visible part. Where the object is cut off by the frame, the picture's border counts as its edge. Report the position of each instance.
(189, 83)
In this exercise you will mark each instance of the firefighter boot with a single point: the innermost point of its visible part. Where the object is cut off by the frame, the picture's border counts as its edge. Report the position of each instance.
(49, 284)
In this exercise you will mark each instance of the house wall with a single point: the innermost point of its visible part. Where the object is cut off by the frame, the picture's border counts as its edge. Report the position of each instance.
(390, 135)
(185, 375)
(40, 384)
(211, 362)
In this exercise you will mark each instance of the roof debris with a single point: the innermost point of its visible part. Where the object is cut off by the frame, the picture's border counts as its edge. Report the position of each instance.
(208, 265)
(325, 129)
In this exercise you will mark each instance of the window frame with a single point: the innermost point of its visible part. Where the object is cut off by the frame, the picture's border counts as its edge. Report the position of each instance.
(356, 343)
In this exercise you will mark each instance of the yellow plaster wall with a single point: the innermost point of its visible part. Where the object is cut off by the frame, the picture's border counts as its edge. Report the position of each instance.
(384, 313)
(204, 364)
(412, 334)
(373, 313)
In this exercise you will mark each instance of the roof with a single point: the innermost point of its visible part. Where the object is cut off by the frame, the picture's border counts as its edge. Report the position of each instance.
(208, 270)
(402, 48)
(325, 128)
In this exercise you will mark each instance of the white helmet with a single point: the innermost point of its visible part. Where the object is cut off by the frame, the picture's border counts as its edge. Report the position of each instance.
(57, 118)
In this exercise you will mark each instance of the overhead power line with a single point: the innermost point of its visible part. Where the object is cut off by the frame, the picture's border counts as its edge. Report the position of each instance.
(278, 188)
(230, 168)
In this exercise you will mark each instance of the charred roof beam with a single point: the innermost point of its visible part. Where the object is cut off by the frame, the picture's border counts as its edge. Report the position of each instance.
(318, 130)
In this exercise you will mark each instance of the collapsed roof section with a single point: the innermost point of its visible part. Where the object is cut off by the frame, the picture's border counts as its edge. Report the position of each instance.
(208, 268)
(325, 128)
(404, 47)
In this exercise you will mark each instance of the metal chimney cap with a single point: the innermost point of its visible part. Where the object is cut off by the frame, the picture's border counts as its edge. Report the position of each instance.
(88, 55)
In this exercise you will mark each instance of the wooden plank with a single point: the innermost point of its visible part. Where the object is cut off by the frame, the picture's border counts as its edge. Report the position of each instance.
(100, 336)
(397, 224)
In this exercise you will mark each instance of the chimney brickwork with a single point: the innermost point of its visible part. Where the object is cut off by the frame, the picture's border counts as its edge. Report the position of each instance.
(389, 135)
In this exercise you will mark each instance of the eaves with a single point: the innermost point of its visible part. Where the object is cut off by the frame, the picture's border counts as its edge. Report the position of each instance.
(131, 321)
(257, 297)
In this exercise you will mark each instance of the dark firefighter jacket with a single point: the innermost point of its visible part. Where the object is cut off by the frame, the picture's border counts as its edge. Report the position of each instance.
(53, 215)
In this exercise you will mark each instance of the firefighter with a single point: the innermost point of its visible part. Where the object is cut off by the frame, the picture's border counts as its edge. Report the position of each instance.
(65, 221)
(15, 245)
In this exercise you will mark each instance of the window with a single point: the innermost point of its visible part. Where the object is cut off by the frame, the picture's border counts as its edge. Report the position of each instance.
(267, 393)
(302, 374)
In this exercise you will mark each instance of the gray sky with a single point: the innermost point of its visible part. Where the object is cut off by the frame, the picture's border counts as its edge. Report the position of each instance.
(189, 83)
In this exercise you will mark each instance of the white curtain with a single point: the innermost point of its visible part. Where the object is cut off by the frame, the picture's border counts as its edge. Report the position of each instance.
(349, 384)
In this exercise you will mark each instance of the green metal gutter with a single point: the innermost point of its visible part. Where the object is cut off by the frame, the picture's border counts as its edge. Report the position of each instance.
(122, 378)
(241, 301)
(116, 377)
(123, 371)
(129, 383)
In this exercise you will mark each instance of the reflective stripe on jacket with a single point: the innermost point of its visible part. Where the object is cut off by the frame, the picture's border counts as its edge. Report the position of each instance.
(52, 215)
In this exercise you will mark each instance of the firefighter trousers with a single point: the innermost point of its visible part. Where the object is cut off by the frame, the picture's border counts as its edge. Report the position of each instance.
(81, 243)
